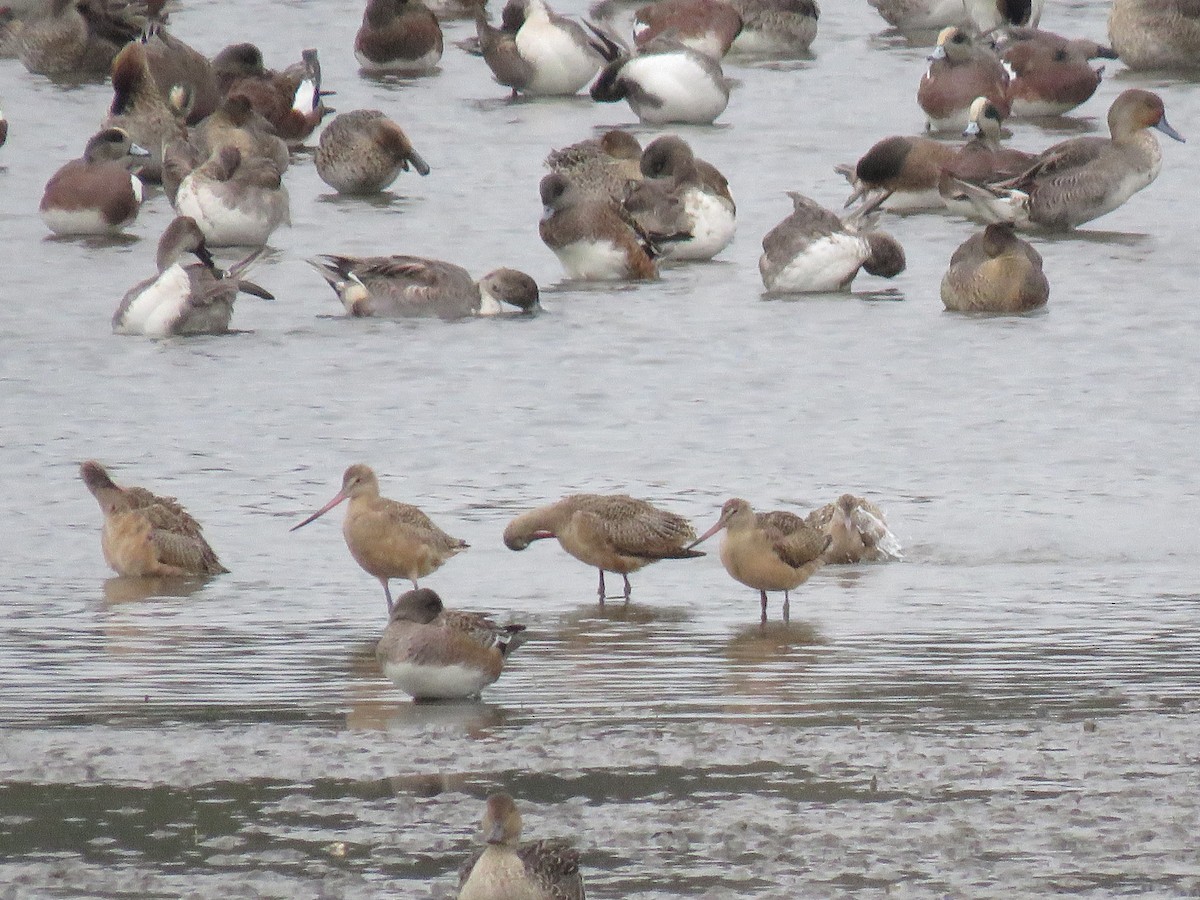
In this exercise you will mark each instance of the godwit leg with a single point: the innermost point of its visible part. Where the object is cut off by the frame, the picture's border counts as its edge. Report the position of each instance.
(786, 608)
(763, 594)
(602, 587)
(627, 588)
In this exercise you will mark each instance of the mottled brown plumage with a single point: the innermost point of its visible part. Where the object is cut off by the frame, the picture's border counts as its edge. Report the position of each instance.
(857, 531)
(995, 271)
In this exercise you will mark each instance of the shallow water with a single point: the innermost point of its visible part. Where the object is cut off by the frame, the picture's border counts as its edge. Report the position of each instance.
(1010, 711)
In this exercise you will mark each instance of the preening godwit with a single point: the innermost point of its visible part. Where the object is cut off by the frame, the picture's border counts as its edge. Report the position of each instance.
(388, 539)
(774, 551)
(613, 532)
(857, 531)
(507, 869)
(432, 653)
(145, 534)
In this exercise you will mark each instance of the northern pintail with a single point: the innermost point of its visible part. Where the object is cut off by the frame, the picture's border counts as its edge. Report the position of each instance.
(775, 551)
(607, 166)
(99, 192)
(387, 539)
(139, 107)
(403, 286)
(612, 532)
(857, 529)
(236, 200)
(590, 234)
(995, 271)
(706, 26)
(398, 36)
(78, 38)
(1081, 179)
(362, 152)
(776, 27)
(982, 159)
(432, 653)
(961, 68)
(536, 51)
(813, 250)
(1156, 34)
(507, 869)
(176, 66)
(145, 534)
(192, 299)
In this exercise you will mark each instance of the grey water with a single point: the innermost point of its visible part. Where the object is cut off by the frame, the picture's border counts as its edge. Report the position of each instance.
(1011, 710)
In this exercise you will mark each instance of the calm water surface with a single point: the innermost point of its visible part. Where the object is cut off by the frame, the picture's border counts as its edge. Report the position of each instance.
(1010, 711)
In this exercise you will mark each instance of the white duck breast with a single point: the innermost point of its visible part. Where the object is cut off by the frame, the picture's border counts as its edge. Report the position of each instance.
(562, 60)
(680, 86)
(713, 226)
(159, 305)
(827, 264)
(594, 260)
(436, 682)
(228, 220)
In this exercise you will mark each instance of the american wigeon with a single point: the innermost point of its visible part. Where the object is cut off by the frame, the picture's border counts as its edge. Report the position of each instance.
(176, 65)
(857, 529)
(290, 99)
(387, 539)
(905, 169)
(995, 271)
(815, 251)
(236, 200)
(776, 27)
(1156, 34)
(961, 68)
(78, 38)
(97, 193)
(536, 51)
(507, 869)
(191, 299)
(405, 286)
(398, 36)
(140, 108)
(706, 26)
(147, 535)
(980, 16)
(1081, 179)
(775, 551)
(362, 152)
(432, 653)
(663, 83)
(607, 166)
(590, 235)
(674, 198)
(237, 123)
(1051, 74)
(982, 159)
(612, 532)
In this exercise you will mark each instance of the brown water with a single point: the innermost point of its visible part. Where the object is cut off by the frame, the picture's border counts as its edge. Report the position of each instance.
(1011, 711)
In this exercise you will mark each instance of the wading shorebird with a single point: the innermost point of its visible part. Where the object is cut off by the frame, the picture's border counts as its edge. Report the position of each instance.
(145, 534)
(507, 869)
(613, 532)
(432, 653)
(857, 531)
(387, 538)
(774, 551)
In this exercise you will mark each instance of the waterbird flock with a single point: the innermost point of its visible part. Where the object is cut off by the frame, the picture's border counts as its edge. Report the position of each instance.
(219, 135)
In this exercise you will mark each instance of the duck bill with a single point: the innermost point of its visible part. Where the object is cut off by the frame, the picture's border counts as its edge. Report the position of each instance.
(418, 162)
(720, 523)
(341, 495)
(1165, 127)
(136, 150)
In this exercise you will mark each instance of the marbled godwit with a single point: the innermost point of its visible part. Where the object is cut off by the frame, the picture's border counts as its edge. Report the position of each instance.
(432, 653)
(857, 531)
(613, 532)
(508, 870)
(145, 534)
(774, 551)
(388, 539)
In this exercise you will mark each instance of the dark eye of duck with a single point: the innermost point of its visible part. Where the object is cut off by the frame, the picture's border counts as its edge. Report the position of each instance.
(991, 113)
(1060, 55)
(959, 38)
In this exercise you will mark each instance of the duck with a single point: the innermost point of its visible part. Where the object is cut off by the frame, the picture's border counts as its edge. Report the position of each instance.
(236, 200)
(388, 539)
(612, 532)
(404, 286)
(960, 69)
(432, 653)
(99, 193)
(175, 66)
(774, 551)
(664, 82)
(813, 250)
(1051, 75)
(776, 27)
(706, 26)
(997, 272)
(398, 37)
(591, 235)
(140, 108)
(291, 100)
(3, 128)
(507, 869)
(536, 51)
(145, 534)
(180, 300)
(982, 159)
(904, 170)
(607, 166)
(981, 16)
(363, 152)
(1081, 179)
(858, 531)
(237, 123)
(1155, 34)
(78, 38)
(679, 194)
